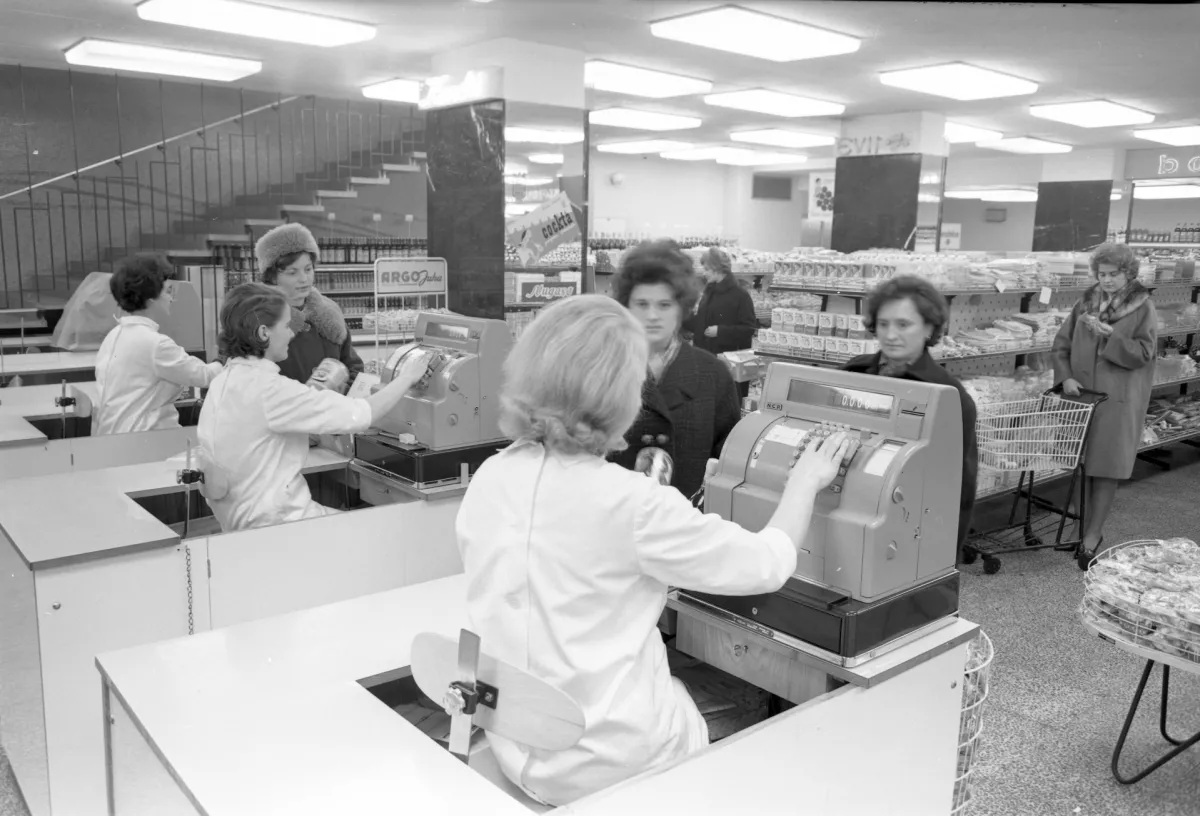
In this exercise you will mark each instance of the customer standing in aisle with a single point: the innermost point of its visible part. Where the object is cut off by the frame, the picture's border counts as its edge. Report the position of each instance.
(907, 315)
(140, 371)
(689, 401)
(725, 319)
(568, 558)
(1108, 344)
(255, 424)
(287, 257)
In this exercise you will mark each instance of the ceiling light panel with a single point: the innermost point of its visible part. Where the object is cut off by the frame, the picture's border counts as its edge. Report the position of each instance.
(741, 31)
(641, 120)
(643, 147)
(1178, 136)
(527, 181)
(781, 138)
(546, 158)
(542, 136)
(1092, 114)
(1025, 145)
(146, 59)
(695, 154)
(970, 195)
(774, 103)
(957, 80)
(626, 79)
(253, 20)
(1009, 196)
(395, 90)
(1114, 196)
(754, 158)
(1167, 192)
(957, 134)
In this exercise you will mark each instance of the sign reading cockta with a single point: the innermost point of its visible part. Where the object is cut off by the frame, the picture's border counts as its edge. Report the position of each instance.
(534, 234)
(410, 276)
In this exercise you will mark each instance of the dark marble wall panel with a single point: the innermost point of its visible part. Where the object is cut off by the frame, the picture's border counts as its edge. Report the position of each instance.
(465, 146)
(875, 204)
(1071, 216)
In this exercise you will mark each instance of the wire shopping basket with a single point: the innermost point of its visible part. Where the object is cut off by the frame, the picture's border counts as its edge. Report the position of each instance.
(1044, 433)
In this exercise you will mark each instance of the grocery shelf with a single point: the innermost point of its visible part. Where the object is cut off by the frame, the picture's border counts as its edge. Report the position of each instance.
(1175, 332)
(547, 270)
(982, 290)
(332, 292)
(1168, 245)
(1184, 381)
(838, 359)
(1163, 441)
(988, 354)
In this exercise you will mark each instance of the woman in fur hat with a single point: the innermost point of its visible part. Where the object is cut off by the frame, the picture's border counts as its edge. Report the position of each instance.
(1108, 344)
(287, 259)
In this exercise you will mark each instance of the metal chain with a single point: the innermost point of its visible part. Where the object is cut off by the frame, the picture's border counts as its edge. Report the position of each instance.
(191, 620)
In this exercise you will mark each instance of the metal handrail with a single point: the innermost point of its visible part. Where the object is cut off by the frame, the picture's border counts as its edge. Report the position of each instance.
(152, 146)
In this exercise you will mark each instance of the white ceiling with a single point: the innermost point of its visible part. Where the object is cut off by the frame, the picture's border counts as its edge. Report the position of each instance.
(1140, 55)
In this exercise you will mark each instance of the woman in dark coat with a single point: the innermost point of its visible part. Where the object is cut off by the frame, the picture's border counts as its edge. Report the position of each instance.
(689, 403)
(907, 315)
(287, 257)
(725, 319)
(1108, 344)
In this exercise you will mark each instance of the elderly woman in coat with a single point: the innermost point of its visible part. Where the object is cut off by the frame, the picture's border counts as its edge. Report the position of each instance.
(1108, 344)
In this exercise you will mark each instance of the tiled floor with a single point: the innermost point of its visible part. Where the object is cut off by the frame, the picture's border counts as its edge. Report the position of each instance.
(1058, 696)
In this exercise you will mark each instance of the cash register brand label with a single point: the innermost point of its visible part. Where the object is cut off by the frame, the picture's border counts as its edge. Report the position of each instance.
(410, 276)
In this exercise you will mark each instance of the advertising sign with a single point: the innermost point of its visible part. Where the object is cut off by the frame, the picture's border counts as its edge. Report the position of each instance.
(534, 234)
(1167, 162)
(820, 196)
(546, 291)
(951, 236)
(410, 276)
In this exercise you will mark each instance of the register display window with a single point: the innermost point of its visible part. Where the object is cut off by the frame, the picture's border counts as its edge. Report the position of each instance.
(845, 399)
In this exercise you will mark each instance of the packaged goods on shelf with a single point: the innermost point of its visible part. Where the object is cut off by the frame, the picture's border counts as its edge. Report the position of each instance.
(1021, 385)
(1175, 316)
(565, 255)
(367, 250)
(519, 321)
(1170, 417)
(1172, 367)
(396, 321)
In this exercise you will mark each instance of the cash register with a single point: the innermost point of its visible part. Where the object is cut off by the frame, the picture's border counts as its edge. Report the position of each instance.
(447, 424)
(878, 565)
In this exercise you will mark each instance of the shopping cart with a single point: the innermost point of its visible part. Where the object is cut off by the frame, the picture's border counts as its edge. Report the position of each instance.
(1044, 435)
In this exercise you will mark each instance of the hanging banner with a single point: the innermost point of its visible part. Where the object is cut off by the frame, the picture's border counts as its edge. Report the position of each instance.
(820, 196)
(534, 234)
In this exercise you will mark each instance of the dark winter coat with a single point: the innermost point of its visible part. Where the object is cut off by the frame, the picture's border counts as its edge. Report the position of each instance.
(730, 308)
(320, 332)
(688, 413)
(926, 370)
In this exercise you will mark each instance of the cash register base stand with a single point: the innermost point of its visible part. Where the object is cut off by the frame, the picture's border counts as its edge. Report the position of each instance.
(195, 727)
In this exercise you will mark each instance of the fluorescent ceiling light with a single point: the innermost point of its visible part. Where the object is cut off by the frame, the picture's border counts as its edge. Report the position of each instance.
(781, 138)
(148, 59)
(1165, 192)
(625, 79)
(1114, 196)
(958, 80)
(1025, 145)
(519, 209)
(641, 120)
(751, 158)
(542, 136)
(512, 168)
(1178, 136)
(638, 148)
(695, 154)
(741, 31)
(971, 195)
(546, 158)
(1009, 196)
(1093, 114)
(928, 198)
(527, 181)
(253, 20)
(956, 134)
(774, 103)
(395, 90)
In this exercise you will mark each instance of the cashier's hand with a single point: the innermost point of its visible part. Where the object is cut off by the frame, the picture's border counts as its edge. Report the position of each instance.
(711, 331)
(818, 465)
(413, 368)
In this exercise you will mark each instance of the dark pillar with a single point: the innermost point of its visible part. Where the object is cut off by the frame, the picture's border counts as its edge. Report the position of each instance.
(465, 148)
(1071, 216)
(880, 200)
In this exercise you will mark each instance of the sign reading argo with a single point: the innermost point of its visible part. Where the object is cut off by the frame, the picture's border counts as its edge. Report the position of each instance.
(410, 276)
(534, 292)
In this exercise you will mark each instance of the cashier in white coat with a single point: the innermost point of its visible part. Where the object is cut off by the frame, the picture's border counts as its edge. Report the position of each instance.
(255, 423)
(139, 371)
(568, 556)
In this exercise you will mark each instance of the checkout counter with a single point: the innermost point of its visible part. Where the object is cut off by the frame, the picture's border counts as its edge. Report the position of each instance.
(209, 725)
(108, 574)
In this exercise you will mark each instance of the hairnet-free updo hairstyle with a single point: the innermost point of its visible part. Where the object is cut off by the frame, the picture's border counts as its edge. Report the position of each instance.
(140, 279)
(653, 262)
(929, 302)
(1118, 255)
(573, 381)
(246, 308)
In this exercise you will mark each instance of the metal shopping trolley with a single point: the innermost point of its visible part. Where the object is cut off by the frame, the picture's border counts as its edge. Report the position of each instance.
(1043, 436)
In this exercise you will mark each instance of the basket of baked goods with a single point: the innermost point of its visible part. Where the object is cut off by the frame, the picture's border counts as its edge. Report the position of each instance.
(1146, 594)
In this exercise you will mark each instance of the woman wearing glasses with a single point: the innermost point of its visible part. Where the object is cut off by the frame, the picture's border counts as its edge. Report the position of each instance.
(1108, 344)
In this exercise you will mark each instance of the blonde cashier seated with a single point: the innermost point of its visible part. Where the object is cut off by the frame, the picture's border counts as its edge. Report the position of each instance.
(140, 372)
(568, 556)
(254, 426)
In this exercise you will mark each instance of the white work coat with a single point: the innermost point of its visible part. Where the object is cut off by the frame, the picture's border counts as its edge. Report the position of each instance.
(139, 374)
(254, 428)
(568, 560)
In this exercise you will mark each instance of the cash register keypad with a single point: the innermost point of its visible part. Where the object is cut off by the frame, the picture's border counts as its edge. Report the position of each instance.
(823, 431)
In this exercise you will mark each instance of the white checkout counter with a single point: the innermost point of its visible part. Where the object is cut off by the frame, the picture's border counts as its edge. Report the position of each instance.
(22, 406)
(274, 716)
(85, 569)
(48, 365)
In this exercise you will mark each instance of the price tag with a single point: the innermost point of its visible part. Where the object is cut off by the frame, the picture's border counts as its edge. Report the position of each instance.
(1044, 297)
(1001, 286)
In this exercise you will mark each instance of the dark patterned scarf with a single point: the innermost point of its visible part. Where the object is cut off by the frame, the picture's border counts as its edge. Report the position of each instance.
(1125, 301)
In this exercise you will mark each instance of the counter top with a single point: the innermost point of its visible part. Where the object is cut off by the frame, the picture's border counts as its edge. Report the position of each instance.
(47, 362)
(212, 704)
(103, 519)
(37, 401)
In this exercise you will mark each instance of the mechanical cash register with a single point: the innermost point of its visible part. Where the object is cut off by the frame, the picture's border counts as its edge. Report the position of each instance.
(450, 420)
(878, 565)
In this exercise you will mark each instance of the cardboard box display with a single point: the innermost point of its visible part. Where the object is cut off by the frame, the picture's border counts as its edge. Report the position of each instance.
(825, 324)
(811, 320)
(855, 328)
(839, 325)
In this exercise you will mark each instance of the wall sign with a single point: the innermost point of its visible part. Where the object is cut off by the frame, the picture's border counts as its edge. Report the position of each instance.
(892, 134)
(925, 240)
(1169, 162)
(820, 196)
(878, 145)
(546, 291)
(410, 276)
(951, 236)
(536, 233)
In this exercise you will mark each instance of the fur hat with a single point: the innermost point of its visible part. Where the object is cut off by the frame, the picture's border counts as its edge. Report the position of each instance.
(284, 240)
